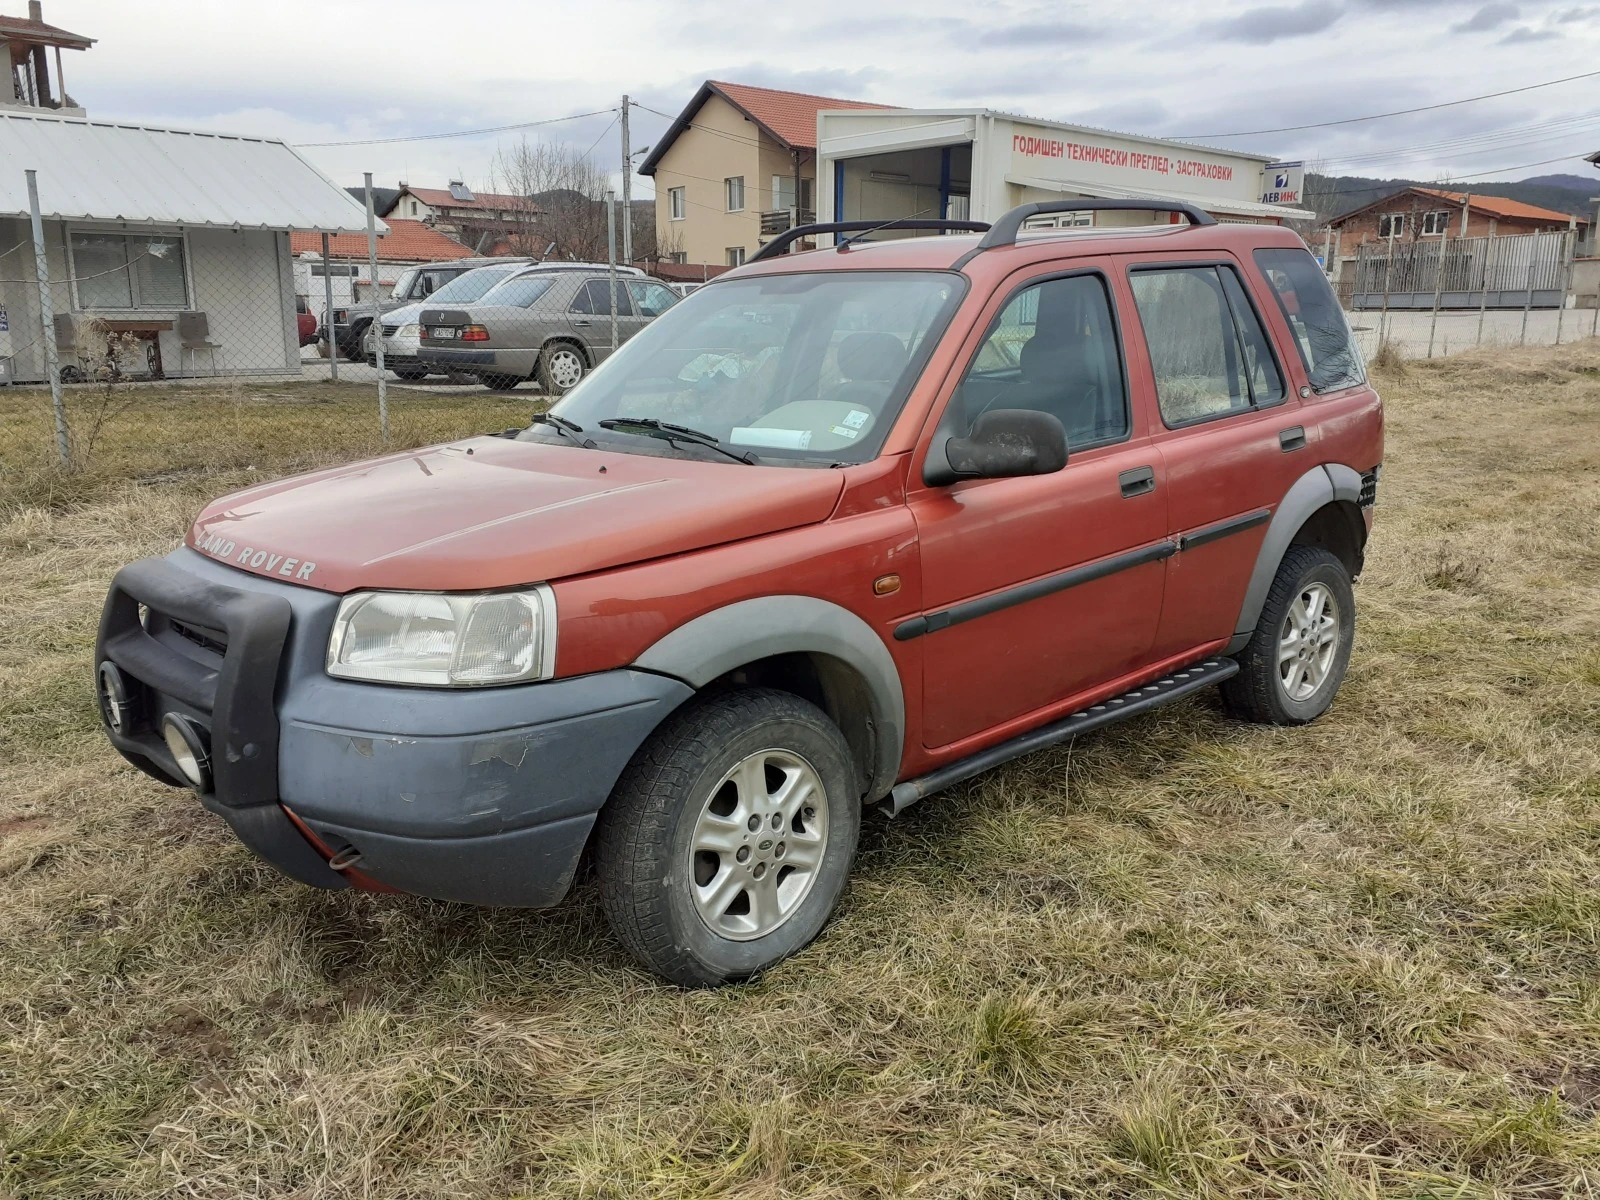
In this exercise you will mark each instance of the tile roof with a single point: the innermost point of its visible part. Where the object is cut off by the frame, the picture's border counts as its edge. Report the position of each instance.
(406, 241)
(1499, 206)
(37, 31)
(441, 198)
(789, 116)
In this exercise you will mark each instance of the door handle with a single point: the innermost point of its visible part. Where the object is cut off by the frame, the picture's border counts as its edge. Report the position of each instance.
(584, 324)
(1137, 481)
(1292, 439)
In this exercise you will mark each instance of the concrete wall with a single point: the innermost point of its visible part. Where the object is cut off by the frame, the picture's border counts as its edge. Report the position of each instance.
(242, 280)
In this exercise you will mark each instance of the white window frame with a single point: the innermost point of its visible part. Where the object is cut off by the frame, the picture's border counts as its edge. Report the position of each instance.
(677, 203)
(679, 256)
(1436, 223)
(1396, 223)
(727, 192)
(181, 234)
(735, 256)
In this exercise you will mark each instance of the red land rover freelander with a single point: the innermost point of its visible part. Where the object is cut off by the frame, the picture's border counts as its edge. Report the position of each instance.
(843, 528)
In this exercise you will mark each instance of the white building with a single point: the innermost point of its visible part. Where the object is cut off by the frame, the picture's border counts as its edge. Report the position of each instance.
(977, 164)
(174, 238)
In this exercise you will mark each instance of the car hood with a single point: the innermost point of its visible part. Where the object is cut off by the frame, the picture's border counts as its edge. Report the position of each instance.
(492, 513)
(400, 316)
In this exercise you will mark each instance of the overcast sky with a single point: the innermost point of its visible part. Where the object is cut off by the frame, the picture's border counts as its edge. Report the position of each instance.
(350, 69)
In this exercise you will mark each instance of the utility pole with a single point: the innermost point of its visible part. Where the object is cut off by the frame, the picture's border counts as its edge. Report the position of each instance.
(627, 188)
(611, 260)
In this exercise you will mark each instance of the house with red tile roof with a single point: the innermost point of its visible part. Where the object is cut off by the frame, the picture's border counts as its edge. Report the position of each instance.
(406, 244)
(732, 166)
(1412, 213)
(479, 219)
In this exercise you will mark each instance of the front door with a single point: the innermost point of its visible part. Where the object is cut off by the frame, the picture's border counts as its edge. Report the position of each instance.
(1232, 440)
(1036, 589)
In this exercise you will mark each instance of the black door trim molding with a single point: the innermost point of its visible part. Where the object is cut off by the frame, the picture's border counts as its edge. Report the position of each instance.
(1222, 529)
(1034, 589)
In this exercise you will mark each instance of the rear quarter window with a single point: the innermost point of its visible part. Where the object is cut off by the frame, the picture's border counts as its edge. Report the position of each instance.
(1321, 333)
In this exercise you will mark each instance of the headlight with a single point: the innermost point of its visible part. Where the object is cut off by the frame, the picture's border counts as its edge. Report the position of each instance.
(406, 331)
(442, 640)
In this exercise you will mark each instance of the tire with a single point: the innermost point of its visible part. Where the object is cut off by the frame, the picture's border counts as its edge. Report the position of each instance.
(460, 377)
(561, 368)
(412, 374)
(694, 782)
(499, 383)
(1301, 688)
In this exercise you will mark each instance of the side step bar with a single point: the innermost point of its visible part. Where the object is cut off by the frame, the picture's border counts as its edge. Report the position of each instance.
(1142, 699)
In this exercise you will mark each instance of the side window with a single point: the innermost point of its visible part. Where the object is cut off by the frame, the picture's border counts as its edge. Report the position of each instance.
(592, 298)
(652, 299)
(588, 299)
(1207, 349)
(1321, 333)
(1053, 349)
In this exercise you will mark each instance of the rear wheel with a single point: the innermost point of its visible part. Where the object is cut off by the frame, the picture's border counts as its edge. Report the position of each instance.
(561, 367)
(499, 383)
(726, 843)
(1296, 659)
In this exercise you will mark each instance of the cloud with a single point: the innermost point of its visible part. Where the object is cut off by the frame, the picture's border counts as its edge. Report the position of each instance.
(1264, 25)
(1490, 16)
(1040, 33)
(1569, 16)
(1518, 36)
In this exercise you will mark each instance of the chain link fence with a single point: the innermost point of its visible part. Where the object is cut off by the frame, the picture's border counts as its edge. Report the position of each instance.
(154, 350)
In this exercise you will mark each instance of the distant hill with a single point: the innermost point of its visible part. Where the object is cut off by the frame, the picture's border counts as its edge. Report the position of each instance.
(1589, 185)
(1332, 195)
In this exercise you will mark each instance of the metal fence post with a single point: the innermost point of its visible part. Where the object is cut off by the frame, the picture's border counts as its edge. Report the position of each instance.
(1527, 303)
(611, 260)
(47, 318)
(1483, 299)
(1438, 288)
(1569, 248)
(377, 322)
(327, 312)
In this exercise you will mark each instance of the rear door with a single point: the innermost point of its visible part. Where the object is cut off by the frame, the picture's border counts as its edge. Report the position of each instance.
(590, 315)
(1039, 588)
(1229, 436)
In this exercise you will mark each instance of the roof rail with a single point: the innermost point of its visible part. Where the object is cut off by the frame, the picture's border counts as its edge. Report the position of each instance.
(781, 243)
(1005, 230)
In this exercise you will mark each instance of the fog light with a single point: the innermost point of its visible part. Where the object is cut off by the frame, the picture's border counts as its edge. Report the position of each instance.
(116, 704)
(187, 743)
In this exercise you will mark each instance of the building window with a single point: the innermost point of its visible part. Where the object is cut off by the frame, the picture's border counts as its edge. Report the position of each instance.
(783, 193)
(1436, 224)
(1392, 226)
(678, 256)
(413, 208)
(676, 203)
(119, 270)
(736, 256)
(734, 186)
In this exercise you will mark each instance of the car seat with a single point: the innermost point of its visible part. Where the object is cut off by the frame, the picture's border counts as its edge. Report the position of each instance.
(869, 364)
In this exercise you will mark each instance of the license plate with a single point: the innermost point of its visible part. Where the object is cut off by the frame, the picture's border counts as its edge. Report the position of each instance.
(442, 331)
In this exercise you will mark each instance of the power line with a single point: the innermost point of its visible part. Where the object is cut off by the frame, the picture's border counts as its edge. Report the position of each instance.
(1475, 142)
(429, 137)
(1400, 186)
(1400, 112)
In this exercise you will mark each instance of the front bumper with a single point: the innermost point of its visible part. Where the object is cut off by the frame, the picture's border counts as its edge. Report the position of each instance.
(479, 795)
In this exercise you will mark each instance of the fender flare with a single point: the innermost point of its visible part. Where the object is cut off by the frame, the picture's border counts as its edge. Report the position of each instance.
(719, 641)
(1319, 486)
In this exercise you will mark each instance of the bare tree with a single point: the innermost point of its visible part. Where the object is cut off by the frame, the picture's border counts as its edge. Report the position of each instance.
(562, 214)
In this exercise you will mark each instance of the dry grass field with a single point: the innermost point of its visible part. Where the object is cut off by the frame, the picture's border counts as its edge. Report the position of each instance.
(1183, 957)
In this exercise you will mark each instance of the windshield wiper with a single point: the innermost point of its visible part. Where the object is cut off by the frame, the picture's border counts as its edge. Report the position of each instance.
(566, 428)
(676, 433)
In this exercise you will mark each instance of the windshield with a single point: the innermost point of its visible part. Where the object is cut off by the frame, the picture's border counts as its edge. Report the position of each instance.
(464, 289)
(796, 367)
(518, 292)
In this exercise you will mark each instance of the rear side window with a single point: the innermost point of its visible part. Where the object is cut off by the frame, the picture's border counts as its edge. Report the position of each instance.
(1053, 349)
(520, 292)
(1321, 333)
(592, 298)
(1207, 348)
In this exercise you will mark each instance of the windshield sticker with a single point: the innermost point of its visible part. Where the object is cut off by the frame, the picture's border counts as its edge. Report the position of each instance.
(841, 431)
(777, 439)
(856, 418)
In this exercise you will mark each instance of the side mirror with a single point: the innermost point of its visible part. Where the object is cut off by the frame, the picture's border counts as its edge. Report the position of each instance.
(1004, 442)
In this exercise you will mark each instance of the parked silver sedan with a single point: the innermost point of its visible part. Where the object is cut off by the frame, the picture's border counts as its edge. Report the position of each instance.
(553, 326)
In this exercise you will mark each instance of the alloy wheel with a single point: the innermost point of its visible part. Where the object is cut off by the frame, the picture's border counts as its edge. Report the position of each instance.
(1308, 642)
(758, 844)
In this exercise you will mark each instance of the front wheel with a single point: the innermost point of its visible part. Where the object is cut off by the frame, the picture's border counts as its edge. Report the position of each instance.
(1297, 657)
(499, 383)
(412, 374)
(727, 841)
(561, 368)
